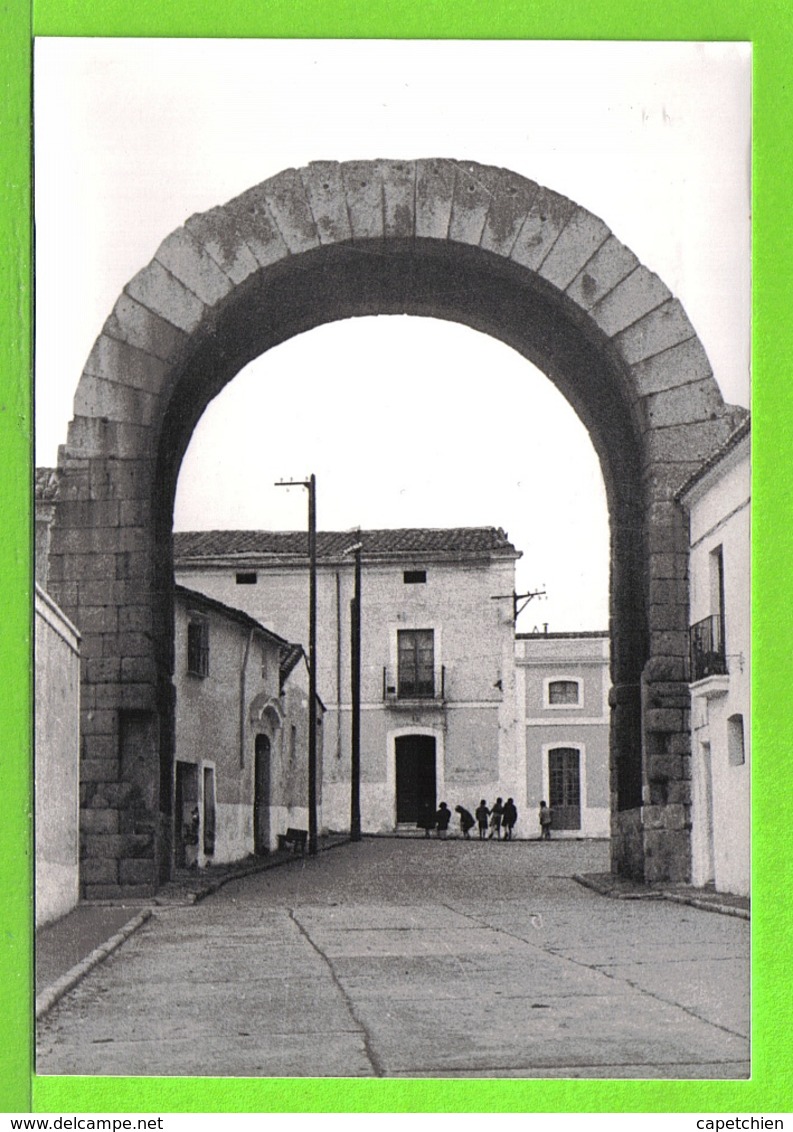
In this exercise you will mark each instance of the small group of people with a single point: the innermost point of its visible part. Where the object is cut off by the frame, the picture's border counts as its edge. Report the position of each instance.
(500, 818)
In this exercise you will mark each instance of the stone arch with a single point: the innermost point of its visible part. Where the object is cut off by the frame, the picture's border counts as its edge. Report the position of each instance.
(442, 238)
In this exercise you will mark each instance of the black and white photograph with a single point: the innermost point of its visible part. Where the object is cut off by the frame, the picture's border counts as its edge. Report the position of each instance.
(392, 554)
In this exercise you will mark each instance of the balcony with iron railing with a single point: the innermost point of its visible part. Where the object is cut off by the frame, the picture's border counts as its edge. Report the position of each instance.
(427, 689)
(708, 652)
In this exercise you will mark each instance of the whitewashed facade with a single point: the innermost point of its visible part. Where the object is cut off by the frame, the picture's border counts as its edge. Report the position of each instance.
(718, 499)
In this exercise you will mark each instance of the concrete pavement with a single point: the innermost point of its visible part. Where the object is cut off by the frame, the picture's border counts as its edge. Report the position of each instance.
(415, 958)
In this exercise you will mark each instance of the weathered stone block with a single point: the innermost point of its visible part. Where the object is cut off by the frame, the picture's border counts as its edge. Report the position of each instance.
(103, 670)
(121, 479)
(96, 871)
(108, 695)
(680, 744)
(138, 669)
(99, 770)
(135, 618)
(667, 538)
(679, 793)
(636, 295)
(84, 540)
(434, 195)
(473, 196)
(577, 243)
(138, 697)
(512, 200)
(137, 845)
(98, 723)
(668, 591)
(545, 220)
(165, 295)
(668, 616)
(100, 891)
(325, 193)
(107, 591)
(79, 567)
(135, 324)
(399, 198)
(681, 365)
(134, 512)
(665, 668)
(667, 856)
(662, 768)
(99, 619)
(100, 747)
(669, 643)
(663, 719)
(663, 481)
(97, 846)
(701, 401)
(119, 362)
(657, 331)
(216, 231)
(133, 566)
(135, 871)
(611, 263)
(687, 443)
(251, 215)
(88, 513)
(364, 192)
(289, 208)
(184, 258)
(95, 820)
(97, 397)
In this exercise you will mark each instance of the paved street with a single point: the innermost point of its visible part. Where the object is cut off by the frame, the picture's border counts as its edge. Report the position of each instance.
(411, 958)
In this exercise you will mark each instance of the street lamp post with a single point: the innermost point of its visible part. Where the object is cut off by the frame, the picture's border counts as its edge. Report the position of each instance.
(311, 485)
(355, 670)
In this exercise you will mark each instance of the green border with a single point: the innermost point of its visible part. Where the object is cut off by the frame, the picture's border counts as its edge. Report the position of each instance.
(767, 24)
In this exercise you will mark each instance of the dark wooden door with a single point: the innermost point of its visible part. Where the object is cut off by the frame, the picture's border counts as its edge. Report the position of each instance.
(564, 776)
(415, 777)
(261, 796)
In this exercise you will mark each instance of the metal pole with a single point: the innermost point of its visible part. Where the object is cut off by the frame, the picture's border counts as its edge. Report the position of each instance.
(355, 768)
(312, 666)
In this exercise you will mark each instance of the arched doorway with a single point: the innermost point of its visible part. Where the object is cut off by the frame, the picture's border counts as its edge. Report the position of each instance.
(445, 239)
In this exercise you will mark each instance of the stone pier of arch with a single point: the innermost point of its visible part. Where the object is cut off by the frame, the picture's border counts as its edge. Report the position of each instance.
(435, 238)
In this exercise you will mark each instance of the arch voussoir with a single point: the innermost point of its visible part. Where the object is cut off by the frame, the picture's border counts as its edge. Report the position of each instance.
(192, 265)
(609, 265)
(133, 324)
(434, 198)
(286, 199)
(513, 197)
(363, 188)
(326, 197)
(547, 216)
(399, 198)
(633, 297)
(217, 233)
(475, 189)
(577, 243)
(162, 293)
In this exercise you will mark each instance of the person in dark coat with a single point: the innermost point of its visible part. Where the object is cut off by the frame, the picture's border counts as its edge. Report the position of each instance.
(426, 818)
(496, 815)
(467, 822)
(443, 815)
(482, 817)
(546, 817)
(509, 818)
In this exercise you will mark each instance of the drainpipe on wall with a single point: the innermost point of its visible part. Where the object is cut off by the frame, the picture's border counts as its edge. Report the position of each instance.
(243, 671)
(338, 664)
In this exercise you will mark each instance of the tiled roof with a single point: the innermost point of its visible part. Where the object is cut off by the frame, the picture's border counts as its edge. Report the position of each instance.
(411, 542)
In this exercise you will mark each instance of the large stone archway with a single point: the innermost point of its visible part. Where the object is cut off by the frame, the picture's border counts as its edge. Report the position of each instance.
(453, 240)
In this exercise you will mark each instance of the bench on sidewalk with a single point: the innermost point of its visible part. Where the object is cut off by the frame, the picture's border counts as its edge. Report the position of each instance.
(294, 839)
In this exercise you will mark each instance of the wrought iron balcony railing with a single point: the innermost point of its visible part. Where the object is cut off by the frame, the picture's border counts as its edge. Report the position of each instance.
(708, 654)
(426, 688)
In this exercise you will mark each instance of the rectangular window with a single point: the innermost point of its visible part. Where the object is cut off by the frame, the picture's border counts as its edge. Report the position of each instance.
(198, 647)
(563, 692)
(416, 657)
(246, 578)
(414, 577)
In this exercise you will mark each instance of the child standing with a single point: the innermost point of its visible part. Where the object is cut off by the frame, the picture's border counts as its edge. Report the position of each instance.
(482, 815)
(546, 816)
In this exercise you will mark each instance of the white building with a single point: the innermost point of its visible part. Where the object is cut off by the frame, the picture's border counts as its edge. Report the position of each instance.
(438, 718)
(57, 747)
(240, 771)
(562, 685)
(718, 500)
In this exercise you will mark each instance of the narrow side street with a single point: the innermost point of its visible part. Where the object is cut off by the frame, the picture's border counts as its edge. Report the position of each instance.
(411, 958)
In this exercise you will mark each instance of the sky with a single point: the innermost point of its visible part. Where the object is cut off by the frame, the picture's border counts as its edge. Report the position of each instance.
(411, 422)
